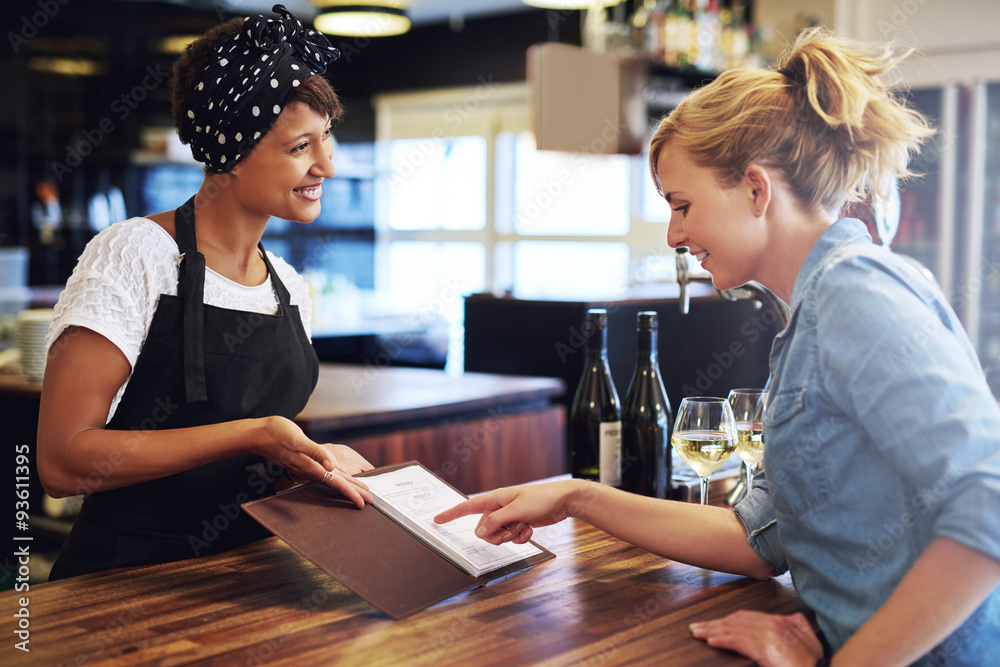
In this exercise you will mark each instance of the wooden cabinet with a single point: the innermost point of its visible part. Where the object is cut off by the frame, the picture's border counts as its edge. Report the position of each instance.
(477, 431)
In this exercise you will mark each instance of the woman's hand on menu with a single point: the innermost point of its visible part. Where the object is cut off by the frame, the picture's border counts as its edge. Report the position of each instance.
(770, 640)
(332, 465)
(510, 514)
(349, 459)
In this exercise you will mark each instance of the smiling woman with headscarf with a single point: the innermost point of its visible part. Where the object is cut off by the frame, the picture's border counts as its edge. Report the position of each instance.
(180, 351)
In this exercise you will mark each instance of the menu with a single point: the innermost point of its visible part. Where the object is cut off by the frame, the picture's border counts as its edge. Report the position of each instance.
(412, 496)
(390, 552)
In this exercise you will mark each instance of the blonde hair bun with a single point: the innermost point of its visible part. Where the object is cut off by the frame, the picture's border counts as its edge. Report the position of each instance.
(826, 118)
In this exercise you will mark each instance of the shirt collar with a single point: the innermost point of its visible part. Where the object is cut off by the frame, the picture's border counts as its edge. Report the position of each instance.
(837, 235)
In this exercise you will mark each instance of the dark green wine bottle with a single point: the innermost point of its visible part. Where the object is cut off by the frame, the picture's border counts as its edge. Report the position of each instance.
(595, 416)
(646, 420)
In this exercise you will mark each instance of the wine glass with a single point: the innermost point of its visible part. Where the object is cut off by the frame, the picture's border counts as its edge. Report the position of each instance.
(704, 435)
(748, 411)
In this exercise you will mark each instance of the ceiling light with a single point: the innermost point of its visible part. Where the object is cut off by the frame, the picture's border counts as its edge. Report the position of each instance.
(67, 66)
(174, 44)
(570, 4)
(362, 18)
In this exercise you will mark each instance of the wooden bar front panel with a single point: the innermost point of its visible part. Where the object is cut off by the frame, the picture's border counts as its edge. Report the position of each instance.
(478, 454)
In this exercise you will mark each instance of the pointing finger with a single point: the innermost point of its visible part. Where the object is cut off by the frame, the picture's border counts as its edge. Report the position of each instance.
(476, 505)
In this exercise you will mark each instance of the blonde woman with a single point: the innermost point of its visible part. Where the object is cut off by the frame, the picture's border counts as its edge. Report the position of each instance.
(883, 440)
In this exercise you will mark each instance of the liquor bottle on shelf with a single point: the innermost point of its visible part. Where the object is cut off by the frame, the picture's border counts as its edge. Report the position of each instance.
(734, 40)
(704, 53)
(595, 416)
(676, 34)
(646, 420)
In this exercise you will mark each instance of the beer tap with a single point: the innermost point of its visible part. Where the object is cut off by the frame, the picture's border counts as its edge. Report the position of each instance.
(752, 290)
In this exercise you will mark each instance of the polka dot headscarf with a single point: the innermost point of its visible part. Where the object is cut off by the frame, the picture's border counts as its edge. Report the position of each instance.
(242, 92)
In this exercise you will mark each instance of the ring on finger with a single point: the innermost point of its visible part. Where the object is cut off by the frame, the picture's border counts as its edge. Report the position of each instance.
(328, 476)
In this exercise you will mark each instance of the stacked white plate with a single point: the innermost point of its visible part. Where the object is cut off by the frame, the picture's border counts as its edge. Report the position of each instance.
(32, 327)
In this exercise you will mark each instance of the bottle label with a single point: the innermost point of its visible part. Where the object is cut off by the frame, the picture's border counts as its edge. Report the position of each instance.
(611, 453)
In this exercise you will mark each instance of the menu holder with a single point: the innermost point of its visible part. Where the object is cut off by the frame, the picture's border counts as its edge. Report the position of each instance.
(376, 556)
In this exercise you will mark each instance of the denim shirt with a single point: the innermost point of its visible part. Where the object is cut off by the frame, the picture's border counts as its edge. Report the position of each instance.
(880, 435)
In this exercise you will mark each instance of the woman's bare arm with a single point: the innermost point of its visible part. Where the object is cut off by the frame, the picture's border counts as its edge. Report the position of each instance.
(705, 536)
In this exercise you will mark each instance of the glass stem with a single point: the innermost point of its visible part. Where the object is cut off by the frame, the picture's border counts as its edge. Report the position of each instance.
(704, 490)
(749, 468)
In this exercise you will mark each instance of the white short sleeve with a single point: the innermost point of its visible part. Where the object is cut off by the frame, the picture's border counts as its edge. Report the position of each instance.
(116, 284)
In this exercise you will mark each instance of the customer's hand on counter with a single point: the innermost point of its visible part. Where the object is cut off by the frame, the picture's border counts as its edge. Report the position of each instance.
(770, 640)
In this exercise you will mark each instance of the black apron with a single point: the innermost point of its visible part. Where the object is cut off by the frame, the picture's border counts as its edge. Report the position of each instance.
(199, 365)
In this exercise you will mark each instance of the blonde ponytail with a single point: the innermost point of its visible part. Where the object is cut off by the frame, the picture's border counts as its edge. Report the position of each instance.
(825, 118)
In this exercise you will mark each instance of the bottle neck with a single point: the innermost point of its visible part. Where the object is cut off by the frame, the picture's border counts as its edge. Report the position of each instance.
(647, 344)
(597, 344)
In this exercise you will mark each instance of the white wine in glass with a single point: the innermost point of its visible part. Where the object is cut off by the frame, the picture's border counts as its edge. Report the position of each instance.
(704, 436)
(748, 410)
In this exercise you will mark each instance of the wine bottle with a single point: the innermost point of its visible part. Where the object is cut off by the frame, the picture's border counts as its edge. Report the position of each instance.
(646, 420)
(595, 416)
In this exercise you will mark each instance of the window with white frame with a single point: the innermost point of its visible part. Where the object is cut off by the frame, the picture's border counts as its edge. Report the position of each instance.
(437, 183)
(464, 202)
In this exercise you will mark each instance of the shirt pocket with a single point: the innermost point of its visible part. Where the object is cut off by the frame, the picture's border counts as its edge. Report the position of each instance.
(794, 456)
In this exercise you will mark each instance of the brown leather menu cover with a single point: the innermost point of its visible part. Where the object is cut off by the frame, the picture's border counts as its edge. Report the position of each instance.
(367, 551)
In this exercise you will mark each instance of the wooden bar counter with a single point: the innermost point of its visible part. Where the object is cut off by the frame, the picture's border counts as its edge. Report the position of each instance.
(600, 602)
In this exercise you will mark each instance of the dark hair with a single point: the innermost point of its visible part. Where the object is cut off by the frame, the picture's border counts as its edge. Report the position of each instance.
(314, 91)
(317, 94)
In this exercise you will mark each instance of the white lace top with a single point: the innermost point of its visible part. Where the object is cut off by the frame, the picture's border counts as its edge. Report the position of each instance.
(115, 288)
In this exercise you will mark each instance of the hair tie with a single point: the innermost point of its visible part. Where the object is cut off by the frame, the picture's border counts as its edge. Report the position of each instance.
(243, 90)
(793, 78)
